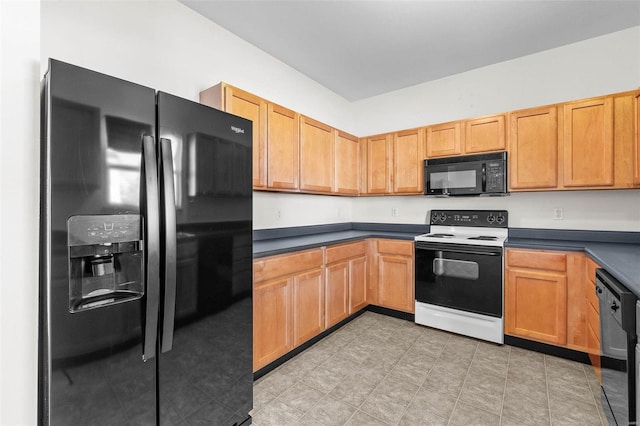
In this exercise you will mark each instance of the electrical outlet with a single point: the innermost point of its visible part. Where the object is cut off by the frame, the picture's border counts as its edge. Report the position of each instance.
(394, 212)
(278, 214)
(558, 214)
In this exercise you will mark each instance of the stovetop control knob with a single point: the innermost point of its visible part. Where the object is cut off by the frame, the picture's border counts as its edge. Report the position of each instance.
(500, 218)
(491, 218)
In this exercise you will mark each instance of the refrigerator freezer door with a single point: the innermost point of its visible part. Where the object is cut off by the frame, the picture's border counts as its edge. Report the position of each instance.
(91, 369)
(206, 378)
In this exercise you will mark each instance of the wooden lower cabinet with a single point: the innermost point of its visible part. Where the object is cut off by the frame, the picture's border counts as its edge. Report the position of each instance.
(536, 305)
(337, 292)
(288, 303)
(346, 280)
(547, 298)
(272, 318)
(392, 281)
(357, 284)
(308, 305)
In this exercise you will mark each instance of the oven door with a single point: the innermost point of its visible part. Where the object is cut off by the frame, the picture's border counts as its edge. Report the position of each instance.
(462, 277)
(456, 178)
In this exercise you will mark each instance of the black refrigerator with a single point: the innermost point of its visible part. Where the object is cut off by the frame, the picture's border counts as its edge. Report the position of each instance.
(145, 308)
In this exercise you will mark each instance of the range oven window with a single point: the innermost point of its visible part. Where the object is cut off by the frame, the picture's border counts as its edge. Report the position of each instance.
(467, 278)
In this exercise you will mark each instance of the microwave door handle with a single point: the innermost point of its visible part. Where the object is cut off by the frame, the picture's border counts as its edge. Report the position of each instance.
(484, 178)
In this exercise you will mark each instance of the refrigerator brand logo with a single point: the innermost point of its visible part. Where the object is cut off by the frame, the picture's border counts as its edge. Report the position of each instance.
(237, 129)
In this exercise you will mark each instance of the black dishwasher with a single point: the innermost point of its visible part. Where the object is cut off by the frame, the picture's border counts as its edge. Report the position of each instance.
(617, 349)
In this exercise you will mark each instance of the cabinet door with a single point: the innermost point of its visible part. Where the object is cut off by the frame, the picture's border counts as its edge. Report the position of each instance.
(357, 284)
(308, 305)
(252, 108)
(407, 161)
(272, 318)
(588, 143)
(347, 163)
(536, 305)
(378, 154)
(282, 148)
(533, 149)
(395, 282)
(316, 156)
(636, 145)
(484, 134)
(337, 294)
(444, 140)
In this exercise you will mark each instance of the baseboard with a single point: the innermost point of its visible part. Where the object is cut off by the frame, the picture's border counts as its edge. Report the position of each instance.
(547, 349)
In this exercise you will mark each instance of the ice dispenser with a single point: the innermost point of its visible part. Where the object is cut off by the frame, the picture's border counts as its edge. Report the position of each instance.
(105, 260)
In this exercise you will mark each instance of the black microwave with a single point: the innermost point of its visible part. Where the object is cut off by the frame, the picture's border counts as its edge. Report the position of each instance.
(481, 174)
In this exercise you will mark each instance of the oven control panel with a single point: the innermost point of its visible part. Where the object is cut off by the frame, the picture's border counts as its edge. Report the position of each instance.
(484, 218)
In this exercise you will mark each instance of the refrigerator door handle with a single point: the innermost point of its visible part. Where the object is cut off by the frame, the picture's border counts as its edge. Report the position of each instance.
(149, 197)
(170, 243)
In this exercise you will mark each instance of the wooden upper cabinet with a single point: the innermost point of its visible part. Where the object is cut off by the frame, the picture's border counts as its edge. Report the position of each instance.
(533, 149)
(407, 161)
(624, 134)
(347, 164)
(588, 143)
(317, 151)
(378, 164)
(484, 134)
(636, 156)
(251, 107)
(282, 148)
(444, 140)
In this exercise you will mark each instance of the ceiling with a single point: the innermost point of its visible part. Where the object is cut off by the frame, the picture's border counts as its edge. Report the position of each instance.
(360, 49)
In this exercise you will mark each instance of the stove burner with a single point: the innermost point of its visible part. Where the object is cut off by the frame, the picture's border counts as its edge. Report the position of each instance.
(483, 238)
(440, 235)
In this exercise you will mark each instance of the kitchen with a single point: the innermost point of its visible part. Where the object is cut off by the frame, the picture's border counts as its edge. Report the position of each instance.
(51, 29)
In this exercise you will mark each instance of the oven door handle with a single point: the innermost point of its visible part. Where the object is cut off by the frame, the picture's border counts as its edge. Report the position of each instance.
(458, 248)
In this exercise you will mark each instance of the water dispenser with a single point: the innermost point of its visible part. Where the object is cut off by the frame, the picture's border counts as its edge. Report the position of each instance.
(105, 260)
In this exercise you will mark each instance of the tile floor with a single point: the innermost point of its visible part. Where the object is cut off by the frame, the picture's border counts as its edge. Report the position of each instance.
(379, 370)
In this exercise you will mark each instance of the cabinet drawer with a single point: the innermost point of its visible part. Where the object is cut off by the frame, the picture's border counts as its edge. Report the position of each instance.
(286, 264)
(398, 247)
(345, 251)
(537, 259)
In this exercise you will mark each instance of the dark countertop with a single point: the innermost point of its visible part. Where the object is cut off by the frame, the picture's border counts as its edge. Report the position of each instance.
(617, 252)
(273, 246)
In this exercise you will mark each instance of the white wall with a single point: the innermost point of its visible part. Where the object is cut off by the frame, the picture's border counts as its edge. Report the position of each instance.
(588, 210)
(165, 45)
(19, 133)
(598, 66)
